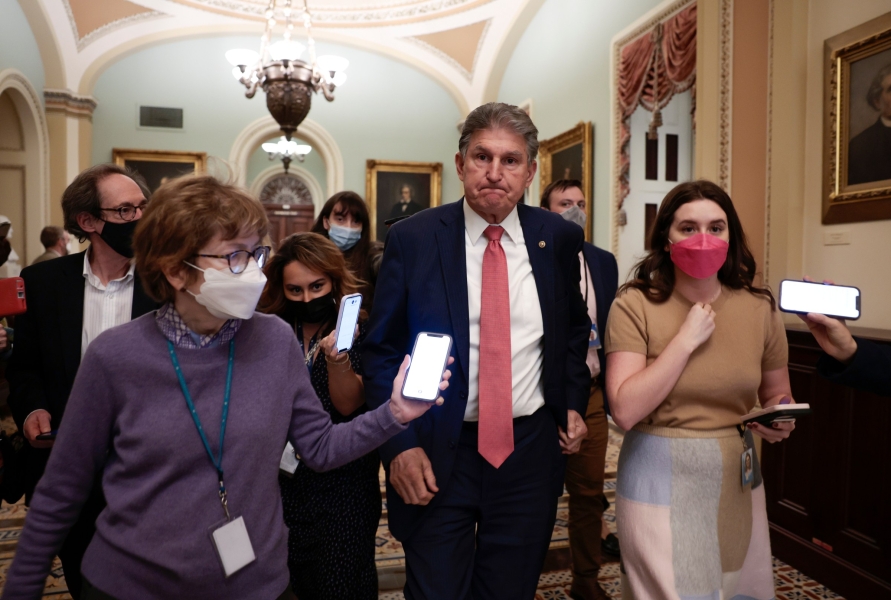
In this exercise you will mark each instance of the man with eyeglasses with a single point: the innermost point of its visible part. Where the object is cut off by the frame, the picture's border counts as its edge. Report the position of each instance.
(71, 300)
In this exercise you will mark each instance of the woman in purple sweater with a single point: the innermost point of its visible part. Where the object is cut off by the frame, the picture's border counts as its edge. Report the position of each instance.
(183, 413)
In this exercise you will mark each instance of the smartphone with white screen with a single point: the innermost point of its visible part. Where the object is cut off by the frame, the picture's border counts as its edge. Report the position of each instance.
(347, 318)
(804, 297)
(429, 359)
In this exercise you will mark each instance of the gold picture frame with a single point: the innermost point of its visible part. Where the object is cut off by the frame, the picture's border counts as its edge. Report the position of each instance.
(853, 60)
(564, 151)
(157, 166)
(384, 183)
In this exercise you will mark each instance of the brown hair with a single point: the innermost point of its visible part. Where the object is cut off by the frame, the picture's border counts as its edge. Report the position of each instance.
(558, 186)
(317, 253)
(50, 236)
(350, 203)
(875, 88)
(654, 274)
(82, 195)
(183, 216)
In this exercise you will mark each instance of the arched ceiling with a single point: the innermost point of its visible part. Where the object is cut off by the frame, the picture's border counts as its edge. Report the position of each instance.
(459, 43)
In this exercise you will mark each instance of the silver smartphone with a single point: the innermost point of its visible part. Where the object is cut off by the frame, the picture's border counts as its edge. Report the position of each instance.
(429, 359)
(804, 297)
(347, 319)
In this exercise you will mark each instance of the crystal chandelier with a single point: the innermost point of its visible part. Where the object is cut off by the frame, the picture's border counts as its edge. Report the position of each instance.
(287, 150)
(288, 81)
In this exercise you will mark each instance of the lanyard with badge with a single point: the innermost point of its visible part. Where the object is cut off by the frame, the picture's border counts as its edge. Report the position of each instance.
(594, 337)
(231, 538)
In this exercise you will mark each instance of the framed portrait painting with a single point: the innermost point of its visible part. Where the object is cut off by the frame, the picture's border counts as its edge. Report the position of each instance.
(857, 124)
(397, 188)
(158, 166)
(570, 155)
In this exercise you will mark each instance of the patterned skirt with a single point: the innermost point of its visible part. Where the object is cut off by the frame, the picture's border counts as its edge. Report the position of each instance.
(689, 529)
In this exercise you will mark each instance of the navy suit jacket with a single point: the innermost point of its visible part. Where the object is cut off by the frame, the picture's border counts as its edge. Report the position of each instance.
(422, 286)
(605, 277)
(870, 370)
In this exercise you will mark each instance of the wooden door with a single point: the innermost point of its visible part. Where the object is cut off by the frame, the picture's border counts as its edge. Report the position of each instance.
(828, 497)
(286, 219)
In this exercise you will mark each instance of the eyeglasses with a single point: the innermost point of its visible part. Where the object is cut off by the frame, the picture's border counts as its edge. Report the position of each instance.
(127, 212)
(240, 259)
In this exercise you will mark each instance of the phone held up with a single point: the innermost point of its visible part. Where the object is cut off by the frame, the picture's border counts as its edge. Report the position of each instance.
(429, 359)
(804, 297)
(347, 319)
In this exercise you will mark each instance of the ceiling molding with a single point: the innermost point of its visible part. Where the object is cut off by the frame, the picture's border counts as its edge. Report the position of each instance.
(506, 48)
(47, 43)
(447, 44)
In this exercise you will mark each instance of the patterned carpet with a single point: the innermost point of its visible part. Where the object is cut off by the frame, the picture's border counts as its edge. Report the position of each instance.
(553, 585)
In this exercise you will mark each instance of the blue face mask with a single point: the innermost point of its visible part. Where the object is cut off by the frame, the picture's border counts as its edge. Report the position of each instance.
(344, 237)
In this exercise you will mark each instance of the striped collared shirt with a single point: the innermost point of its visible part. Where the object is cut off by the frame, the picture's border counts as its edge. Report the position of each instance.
(175, 329)
(105, 306)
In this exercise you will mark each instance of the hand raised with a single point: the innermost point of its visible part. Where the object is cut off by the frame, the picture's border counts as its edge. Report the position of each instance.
(411, 475)
(406, 409)
(698, 326)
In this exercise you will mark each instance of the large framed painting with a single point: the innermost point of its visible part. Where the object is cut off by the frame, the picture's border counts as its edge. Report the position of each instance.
(570, 155)
(158, 166)
(857, 124)
(396, 188)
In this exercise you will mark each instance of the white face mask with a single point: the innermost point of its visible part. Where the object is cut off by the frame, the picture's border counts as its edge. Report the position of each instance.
(575, 215)
(230, 296)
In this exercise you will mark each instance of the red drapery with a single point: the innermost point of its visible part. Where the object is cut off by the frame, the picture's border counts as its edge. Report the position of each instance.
(652, 69)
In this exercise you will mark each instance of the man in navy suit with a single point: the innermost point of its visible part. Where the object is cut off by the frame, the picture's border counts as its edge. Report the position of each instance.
(475, 511)
(585, 469)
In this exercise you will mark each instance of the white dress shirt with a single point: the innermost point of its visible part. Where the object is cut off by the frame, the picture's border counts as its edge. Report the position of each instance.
(105, 306)
(526, 324)
(592, 360)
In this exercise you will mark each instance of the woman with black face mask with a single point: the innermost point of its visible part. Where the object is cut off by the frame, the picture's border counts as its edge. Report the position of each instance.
(332, 517)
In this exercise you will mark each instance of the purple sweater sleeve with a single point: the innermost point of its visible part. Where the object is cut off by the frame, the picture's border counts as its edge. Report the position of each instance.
(321, 444)
(66, 484)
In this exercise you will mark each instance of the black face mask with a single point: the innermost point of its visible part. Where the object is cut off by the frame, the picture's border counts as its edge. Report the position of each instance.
(119, 236)
(317, 310)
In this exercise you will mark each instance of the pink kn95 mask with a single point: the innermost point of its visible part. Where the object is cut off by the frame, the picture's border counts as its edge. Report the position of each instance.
(699, 256)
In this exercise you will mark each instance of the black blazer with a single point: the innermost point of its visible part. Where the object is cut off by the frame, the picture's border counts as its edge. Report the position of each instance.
(869, 371)
(47, 348)
(605, 278)
(422, 286)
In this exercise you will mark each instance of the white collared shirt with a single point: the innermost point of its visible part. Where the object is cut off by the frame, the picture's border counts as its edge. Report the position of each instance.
(526, 323)
(105, 306)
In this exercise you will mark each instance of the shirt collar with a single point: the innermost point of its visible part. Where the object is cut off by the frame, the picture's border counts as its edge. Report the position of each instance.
(476, 225)
(175, 329)
(94, 279)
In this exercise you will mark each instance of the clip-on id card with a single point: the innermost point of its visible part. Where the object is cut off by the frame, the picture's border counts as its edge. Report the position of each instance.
(233, 545)
(594, 338)
(289, 460)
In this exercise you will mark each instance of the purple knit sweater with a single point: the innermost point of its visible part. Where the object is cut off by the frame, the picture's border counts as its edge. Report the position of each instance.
(127, 421)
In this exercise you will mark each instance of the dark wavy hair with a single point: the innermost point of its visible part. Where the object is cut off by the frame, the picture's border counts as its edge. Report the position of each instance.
(654, 274)
(315, 252)
(349, 203)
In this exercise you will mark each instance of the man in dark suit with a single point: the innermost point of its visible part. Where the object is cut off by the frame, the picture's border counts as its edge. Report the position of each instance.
(406, 206)
(71, 300)
(869, 154)
(472, 487)
(585, 469)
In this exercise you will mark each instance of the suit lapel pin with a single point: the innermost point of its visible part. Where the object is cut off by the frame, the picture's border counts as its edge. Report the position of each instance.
(541, 244)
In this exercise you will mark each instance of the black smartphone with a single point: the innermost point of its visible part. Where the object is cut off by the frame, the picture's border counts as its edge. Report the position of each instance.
(45, 437)
(429, 359)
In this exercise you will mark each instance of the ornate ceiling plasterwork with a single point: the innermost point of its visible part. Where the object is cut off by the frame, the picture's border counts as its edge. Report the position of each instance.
(345, 14)
(447, 45)
(94, 26)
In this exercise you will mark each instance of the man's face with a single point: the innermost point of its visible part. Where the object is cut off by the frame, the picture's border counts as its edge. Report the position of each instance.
(406, 194)
(116, 191)
(885, 98)
(563, 200)
(495, 172)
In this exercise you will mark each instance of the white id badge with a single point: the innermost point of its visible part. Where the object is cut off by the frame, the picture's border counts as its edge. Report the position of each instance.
(234, 546)
(289, 460)
(747, 467)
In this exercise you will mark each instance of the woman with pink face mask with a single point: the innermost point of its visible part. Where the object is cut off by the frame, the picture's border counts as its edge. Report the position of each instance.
(693, 345)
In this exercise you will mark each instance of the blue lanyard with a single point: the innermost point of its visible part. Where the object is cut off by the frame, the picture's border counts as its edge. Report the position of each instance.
(217, 462)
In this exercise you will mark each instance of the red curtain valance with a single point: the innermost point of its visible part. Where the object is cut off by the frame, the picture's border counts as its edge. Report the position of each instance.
(652, 69)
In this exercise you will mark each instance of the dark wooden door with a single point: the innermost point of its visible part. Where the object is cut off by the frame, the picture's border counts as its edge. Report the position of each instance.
(285, 219)
(828, 492)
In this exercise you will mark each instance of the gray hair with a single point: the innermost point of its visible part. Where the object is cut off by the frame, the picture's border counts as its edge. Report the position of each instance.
(498, 115)
(875, 89)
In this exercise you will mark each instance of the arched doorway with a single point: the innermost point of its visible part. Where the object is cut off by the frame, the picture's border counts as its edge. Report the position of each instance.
(289, 206)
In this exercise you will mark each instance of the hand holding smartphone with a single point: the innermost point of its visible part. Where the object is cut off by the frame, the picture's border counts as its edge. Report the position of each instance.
(429, 359)
(347, 319)
(805, 297)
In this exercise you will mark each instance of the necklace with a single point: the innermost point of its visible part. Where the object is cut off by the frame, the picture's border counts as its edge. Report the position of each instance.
(313, 348)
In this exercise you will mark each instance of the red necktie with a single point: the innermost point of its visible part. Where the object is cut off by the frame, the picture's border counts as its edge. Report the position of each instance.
(496, 427)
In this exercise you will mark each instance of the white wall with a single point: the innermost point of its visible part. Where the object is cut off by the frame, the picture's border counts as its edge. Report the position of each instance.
(386, 109)
(863, 262)
(562, 64)
(18, 48)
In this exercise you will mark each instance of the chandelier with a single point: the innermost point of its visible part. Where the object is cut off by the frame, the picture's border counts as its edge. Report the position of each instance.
(288, 81)
(287, 150)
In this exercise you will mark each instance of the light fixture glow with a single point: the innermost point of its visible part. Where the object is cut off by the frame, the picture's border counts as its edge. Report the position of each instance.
(242, 57)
